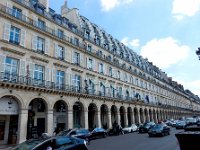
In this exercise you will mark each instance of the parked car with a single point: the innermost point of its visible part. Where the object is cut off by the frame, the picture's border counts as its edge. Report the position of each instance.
(159, 129)
(130, 129)
(56, 142)
(145, 127)
(98, 133)
(78, 133)
(181, 125)
(191, 121)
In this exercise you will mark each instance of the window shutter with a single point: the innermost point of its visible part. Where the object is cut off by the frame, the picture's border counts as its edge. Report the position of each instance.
(34, 42)
(2, 63)
(64, 53)
(54, 75)
(23, 37)
(47, 46)
(56, 50)
(73, 57)
(35, 21)
(66, 78)
(48, 74)
(87, 62)
(9, 9)
(81, 61)
(6, 33)
(22, 71)
(31, 70)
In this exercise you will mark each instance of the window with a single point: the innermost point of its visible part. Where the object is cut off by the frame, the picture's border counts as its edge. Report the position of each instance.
(119, 94)
(14, 35)
(102, 89)
(91, 87)
(40, 44)
(118, 74)
(125, 77)
(87, 34)
(41, 24)
(101, 68)
(89, 48)
(76, 58)
(90, 63)
(60, 52)
(60, 34)
(110, 71)
(112, 91)
(38, 74)
(16, 12)
(76, 82)
(11, 69)
(76, 41)
(60, 79)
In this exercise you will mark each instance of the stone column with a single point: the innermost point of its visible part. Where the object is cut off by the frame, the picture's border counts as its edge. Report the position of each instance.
(98, 119)
(133, 118)
(22, 125)
(70, 119)
(109, 120)
(125, 119)
(139, 121)
(49, 122)
(6, 129)
(118, 118)
(86, 119)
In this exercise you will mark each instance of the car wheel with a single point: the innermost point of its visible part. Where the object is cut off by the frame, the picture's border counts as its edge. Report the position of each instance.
(87, 141)
(162, 134)
(104, 135)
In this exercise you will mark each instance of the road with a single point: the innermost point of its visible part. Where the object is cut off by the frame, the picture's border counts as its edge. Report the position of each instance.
(136, 141)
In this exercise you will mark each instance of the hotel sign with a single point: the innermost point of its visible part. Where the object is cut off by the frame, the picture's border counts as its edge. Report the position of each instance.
(8, 106)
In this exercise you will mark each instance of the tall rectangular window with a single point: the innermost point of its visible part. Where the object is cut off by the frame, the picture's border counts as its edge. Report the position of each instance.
(14, 35)
(60, 52)
(16, 12)
(11, 69)
(90, 63)
(38, 74)
(101, 68)
(60, 75)
(41, 24)
(76, 82)
(60, 34)
(102, 89)
(76, 58)
(40, 44)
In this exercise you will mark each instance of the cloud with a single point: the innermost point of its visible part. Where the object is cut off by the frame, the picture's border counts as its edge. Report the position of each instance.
(165, 52)
(182, 8)
(132, 43)
(107, 5)
(192, 85)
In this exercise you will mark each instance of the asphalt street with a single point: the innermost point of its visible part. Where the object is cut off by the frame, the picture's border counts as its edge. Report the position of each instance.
(136, 141)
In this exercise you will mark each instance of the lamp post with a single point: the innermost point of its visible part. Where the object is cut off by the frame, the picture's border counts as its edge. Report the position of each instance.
(198, 53)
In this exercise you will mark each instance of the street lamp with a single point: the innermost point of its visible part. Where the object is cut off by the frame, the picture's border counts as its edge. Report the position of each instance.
(198, 52)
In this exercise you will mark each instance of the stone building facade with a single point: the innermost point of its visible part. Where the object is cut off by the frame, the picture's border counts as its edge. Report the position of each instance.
(62, 71)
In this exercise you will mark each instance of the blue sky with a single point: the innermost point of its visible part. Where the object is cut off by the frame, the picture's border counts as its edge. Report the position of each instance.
(166, 32)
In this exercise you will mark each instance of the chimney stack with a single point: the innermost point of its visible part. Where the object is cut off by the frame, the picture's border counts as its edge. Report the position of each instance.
(45, 3)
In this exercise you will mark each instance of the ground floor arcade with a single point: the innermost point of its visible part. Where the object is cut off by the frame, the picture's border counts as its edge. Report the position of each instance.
(24, 115)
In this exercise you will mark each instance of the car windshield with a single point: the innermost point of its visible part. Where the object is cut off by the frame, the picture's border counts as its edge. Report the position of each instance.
(63, 133)
(82, 131)
(27, 145)
(98, 129)
(157, 127)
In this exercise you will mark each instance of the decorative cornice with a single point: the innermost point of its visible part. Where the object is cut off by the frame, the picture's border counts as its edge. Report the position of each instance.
(90, 74)
(60, 65)
(101, 78)
(40, 59)
(77, 70)
(13, 51)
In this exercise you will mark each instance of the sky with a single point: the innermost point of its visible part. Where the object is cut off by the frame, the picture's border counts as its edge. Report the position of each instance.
(166, 32)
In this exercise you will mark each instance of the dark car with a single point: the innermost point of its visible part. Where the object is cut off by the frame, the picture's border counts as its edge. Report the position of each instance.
(54, 143)
(159, 129)
(98, 133)
(79, 133)
(145, 127)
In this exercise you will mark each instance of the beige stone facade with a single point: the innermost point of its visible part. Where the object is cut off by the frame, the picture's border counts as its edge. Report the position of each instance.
(54, 76)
